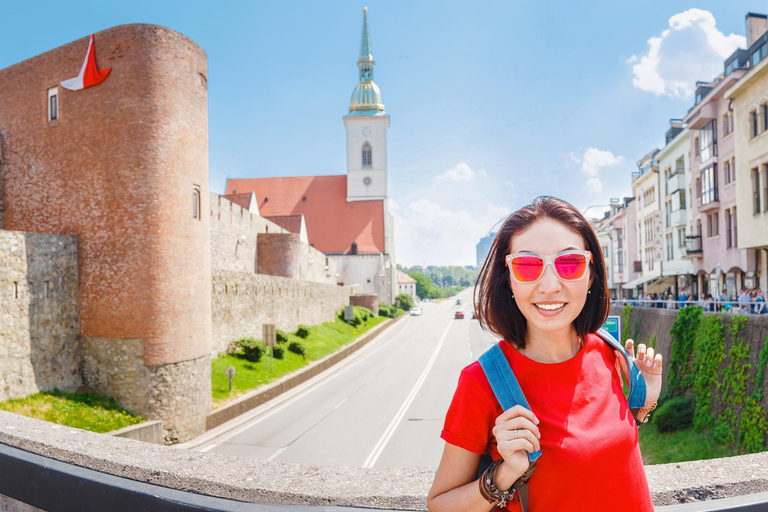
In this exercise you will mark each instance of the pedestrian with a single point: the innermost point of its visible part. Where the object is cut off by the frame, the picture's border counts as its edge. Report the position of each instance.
(543, 291)
(744, 301)
(760, 306)
(710, 303)
(723, 299)
(670, 302)
(702, 302)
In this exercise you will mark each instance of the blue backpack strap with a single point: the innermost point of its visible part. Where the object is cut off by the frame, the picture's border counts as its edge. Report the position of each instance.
(504, 384)
(636, 399)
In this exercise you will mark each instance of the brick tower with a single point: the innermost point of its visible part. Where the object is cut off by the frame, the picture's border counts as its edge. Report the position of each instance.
(124, 166)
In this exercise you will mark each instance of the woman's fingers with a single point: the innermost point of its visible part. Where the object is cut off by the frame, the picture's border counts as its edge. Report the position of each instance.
(519, 422)
(641, 352)
(518, 439)
(629, 346)
(657, 361)
(516, 411)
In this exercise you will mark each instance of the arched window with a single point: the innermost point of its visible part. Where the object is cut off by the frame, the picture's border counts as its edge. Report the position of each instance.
(367, 155)
(196, 204)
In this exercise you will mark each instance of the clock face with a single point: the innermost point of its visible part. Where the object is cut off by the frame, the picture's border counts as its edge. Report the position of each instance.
(366, 131)
(367, 181)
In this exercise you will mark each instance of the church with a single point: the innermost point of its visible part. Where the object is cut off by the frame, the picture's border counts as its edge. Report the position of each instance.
(344, 216)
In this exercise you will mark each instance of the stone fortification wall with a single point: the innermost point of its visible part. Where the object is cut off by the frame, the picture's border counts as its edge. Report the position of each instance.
(367, 301)
(644, 323)
(39, 322)
(234, 243)
(279, 255)
(243, 302)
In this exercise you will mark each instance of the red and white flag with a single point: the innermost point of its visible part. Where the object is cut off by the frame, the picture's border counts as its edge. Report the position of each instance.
(89, 75)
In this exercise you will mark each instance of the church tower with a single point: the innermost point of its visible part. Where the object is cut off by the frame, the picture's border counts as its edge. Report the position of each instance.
(367, 125)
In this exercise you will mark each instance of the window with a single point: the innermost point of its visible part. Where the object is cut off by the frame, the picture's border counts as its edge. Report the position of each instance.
(620, 248)
(696, 146)
(698, 188)
(681, 237)
(755, 190)
(728, 229)
(708, 138)
(726, 124)
(764, 107)
(733, 169)
(53, 103)
(733, 221)
(727, 171)
(755, 58)
(753, 123)
(765, 187)
(709, 192)
(678, 200)
(367, 155)
(196, 203)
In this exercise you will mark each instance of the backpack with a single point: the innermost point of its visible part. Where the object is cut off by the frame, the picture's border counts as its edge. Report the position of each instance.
(507, 391)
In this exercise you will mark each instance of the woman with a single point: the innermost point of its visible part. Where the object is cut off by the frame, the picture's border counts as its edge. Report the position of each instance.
(579, 418)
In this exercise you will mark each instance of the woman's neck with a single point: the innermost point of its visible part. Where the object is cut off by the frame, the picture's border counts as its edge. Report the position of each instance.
(552, 347)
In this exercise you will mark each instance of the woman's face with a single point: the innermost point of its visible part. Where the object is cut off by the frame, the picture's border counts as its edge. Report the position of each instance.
(563, 300)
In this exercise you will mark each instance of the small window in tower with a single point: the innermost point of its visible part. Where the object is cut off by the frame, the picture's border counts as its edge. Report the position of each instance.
(53, 103)
(196, 203)
(367, 155)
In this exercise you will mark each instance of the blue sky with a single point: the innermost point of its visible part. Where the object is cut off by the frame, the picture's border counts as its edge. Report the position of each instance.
(491, 104)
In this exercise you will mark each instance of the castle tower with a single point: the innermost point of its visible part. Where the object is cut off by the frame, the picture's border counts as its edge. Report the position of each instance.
(366, 125)
(124, 166)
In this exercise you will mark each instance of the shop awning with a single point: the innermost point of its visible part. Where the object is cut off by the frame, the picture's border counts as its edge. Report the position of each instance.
(639, 281)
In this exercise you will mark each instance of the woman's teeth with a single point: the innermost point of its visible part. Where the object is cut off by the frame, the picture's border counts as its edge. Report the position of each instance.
(550, 307)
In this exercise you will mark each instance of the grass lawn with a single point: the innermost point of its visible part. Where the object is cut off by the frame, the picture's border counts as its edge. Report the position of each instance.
(323, 339)
(683, 445)
(87, 411)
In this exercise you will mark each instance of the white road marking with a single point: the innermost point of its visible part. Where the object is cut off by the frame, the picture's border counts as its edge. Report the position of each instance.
(285, 404)
(374, 455)
(278, 452)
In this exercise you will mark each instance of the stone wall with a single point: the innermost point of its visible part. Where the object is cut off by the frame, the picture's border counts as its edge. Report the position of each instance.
(177, 393)
(279, 255)
(367, 301)
(243, 302)
(234, 243)
(39, 322)
(644, 323)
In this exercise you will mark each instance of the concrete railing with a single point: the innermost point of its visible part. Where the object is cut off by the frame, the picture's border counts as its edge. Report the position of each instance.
(33, 453)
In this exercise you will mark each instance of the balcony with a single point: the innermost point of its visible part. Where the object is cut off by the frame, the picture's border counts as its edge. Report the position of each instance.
(692, 247)
(705, 114)
(675, 182)
(677, 218)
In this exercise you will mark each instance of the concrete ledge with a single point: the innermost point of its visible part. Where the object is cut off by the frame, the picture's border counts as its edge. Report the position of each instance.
(147, 431)
(290, 484)
(266, 393)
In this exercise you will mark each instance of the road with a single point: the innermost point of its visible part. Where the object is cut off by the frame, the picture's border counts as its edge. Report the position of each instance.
(383, 407)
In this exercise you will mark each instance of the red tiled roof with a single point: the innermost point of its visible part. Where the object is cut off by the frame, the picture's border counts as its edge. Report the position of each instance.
(291, 223)
(243, 200)
(332, 222)
(403, 278)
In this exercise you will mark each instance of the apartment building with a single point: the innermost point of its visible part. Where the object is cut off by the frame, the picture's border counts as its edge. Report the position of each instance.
(718, 263)
(749, 103)
(673, 161)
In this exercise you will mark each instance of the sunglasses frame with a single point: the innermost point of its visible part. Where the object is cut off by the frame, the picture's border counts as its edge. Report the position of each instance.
(548, 260)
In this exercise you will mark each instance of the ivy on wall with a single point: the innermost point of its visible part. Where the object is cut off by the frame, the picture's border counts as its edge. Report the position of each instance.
(683, 335)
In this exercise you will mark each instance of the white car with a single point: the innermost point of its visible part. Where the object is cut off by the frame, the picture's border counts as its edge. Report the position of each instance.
(415, 311)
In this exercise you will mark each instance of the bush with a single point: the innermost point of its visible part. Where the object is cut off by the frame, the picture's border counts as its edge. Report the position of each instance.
(405, 301)
(297, 348)
(251, 347)
(674, 414)
(278, 352)
(302, 332)
(361, 316)
(384, 311)
(280, 337)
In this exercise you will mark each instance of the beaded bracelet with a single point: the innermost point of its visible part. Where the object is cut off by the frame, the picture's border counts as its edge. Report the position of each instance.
(490, 492)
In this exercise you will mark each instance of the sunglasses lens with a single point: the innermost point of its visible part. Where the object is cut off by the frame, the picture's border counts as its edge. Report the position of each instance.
(526, 268)
(571, 266)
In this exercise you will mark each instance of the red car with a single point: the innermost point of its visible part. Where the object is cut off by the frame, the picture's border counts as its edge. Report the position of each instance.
(474, 316)
(459, 314)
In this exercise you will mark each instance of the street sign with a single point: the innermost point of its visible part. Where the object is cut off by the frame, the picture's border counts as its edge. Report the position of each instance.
(349, 313)
(269, 335)
(613, 325)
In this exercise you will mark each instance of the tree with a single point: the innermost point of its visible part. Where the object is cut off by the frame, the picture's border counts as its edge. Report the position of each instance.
(405, 300)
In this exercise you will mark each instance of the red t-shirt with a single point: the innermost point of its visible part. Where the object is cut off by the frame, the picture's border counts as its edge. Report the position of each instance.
(590, 452)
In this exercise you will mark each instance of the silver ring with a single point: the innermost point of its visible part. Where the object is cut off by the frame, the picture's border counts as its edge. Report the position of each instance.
(516, 434)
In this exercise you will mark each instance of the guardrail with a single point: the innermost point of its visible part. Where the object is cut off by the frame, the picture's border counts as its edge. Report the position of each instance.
(728, 306)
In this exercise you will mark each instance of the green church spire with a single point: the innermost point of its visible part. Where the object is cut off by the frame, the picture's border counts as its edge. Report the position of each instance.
(366, 98)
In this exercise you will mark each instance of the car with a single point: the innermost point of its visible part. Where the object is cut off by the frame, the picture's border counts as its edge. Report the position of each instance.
(458, 302)
(459, 315)
(416, 311)
(474, 316)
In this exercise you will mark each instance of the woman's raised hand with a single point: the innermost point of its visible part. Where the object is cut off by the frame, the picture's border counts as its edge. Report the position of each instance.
(517, 433)
(650, 365)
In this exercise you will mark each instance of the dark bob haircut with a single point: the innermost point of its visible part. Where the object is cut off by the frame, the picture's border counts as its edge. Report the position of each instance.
(495, 306)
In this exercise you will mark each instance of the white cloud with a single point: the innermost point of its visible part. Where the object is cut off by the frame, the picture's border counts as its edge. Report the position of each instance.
(691, 49)
(591, 161)
(428, 233)
(462, 172)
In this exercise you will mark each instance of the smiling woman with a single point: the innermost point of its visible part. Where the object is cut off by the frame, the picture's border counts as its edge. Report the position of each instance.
(543, 290)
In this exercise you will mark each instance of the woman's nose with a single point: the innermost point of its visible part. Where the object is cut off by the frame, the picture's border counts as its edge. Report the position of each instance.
(549, 281)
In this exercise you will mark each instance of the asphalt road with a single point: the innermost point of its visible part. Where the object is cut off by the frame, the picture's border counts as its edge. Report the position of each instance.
(383, 407)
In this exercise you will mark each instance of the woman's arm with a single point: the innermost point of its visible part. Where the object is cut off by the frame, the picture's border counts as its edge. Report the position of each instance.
(456, 487)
